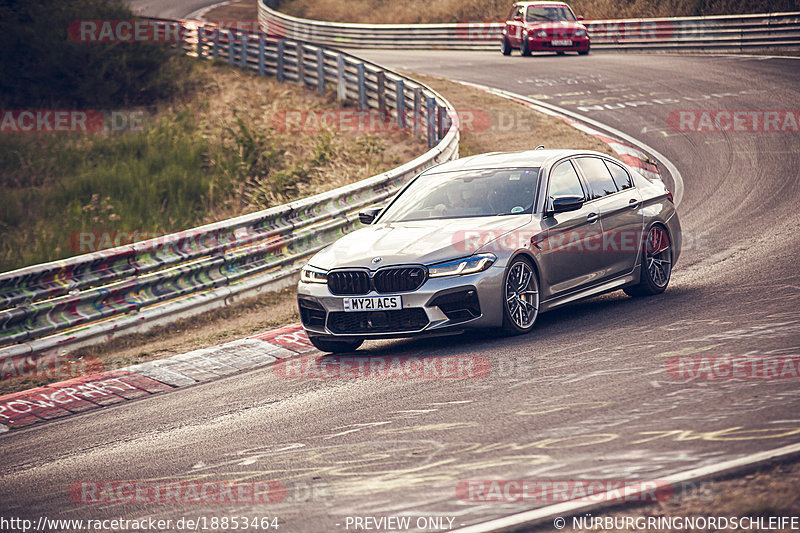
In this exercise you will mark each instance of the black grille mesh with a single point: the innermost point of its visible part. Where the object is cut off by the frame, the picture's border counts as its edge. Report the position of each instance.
(349, 282)
(412, 319)
(402, 279)
(385, 280)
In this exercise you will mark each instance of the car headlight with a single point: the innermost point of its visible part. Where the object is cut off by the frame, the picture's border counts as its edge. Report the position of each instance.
(310, 274)
(580, 33)
(541, 34)
(459, 267)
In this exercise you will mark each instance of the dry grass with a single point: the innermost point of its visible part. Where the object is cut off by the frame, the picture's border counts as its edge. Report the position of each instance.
(768, 492)
(496, 123)
(243, 10)
(416, 11)
(218, 152)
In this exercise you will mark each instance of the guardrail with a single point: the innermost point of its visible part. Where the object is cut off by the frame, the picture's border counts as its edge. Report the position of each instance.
(728, 32)
(89, 298)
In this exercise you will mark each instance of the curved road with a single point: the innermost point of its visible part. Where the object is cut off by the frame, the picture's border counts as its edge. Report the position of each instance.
(586, 395)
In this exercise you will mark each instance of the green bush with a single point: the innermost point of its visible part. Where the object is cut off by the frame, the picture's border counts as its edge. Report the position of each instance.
(43, 67)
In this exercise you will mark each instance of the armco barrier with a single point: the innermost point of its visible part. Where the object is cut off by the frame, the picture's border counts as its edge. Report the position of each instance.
(91, 297)
(728, 32)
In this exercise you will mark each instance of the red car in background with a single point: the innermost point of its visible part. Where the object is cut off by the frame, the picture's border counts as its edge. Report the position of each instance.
(544, 27)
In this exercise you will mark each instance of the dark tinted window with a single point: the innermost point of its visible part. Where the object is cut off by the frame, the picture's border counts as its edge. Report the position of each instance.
(597, 177)
(564, 181)
(620, 175)
(547, 13)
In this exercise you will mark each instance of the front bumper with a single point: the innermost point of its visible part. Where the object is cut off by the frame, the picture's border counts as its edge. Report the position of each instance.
(544, 44)
(440, 305)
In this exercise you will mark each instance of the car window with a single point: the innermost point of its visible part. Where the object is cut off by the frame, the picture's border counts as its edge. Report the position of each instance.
(564, 181)
(545, 13)
(597, 176)
(467, 193)
(620, 175)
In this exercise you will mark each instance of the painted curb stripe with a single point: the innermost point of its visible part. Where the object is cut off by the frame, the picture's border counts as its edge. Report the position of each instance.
(81, 394)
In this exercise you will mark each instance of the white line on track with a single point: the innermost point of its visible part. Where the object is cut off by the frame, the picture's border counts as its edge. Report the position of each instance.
(546, 514)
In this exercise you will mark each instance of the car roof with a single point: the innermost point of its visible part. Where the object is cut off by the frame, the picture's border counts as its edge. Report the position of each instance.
(526, 158)
(540, 3)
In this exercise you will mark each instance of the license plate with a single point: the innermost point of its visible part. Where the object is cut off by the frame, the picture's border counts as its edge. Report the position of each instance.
(561, 42)
(374, 303)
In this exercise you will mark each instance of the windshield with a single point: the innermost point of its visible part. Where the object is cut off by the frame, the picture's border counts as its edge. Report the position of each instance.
(471, 193)
(539, 13)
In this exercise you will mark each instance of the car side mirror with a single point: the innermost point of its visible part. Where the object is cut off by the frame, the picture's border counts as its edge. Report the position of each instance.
(580, 17)
(563, 204)
(369, 215)
(518, 19)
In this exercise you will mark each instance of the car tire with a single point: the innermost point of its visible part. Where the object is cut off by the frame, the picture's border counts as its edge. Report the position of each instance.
(523, 47)
(656, 266)
(560, 53)
(505, 47)
(520, 281)
(584, 52)
(335, 346)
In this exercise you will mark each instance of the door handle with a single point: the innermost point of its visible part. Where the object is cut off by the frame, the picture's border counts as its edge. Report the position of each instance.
(591, 218)
(633, 202)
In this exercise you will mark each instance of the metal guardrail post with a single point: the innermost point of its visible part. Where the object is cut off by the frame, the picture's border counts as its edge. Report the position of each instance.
(301, 66)
(321, 72)
(341, 83)
(231, 46)
(216, 44)
(200, 31)
(430, 116)
(441, 112)
(400, 103)
(417, 110)
(362, 87)
(261, 55)
(245, 49)
(281, 58)
(382, 92)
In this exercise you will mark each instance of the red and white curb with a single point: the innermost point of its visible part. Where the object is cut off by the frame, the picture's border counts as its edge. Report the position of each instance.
(65, 398)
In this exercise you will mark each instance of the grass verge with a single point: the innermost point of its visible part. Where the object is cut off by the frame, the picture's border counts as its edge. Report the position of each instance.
(769, 491)
(221, 150)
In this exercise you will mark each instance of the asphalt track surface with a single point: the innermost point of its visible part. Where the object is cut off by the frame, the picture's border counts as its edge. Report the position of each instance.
(586, 395)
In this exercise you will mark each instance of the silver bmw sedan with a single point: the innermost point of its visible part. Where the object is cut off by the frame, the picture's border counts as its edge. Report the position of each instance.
(491, 241)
